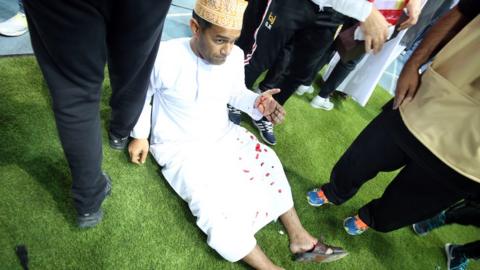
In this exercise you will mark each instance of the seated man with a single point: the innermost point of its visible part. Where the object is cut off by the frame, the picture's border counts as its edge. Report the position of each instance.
(233, 185)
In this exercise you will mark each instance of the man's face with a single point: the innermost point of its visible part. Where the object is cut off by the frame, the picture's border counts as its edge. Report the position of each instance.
(215, 43)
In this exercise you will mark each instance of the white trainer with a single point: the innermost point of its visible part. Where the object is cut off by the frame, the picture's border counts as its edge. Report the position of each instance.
(321, 103)
(302, 89)
(15, 26)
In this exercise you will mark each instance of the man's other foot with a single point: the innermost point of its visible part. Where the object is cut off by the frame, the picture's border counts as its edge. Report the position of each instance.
(116, 142)
(321, 103)
(89, 220)
(423, 227)
(266, 130)
(234, 114)
(316, 197)
(354, 225)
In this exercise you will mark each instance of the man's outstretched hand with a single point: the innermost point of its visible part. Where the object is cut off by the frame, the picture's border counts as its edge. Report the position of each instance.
(138, 150)
(269, 107)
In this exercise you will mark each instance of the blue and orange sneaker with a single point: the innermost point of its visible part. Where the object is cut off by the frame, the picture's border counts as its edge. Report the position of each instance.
(316, 197)
(354, 225)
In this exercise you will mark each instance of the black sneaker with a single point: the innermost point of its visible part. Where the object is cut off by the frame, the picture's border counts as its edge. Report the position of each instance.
(117, 143)
(234, 115)
(455, 259)
(89, 220)
(266, 130)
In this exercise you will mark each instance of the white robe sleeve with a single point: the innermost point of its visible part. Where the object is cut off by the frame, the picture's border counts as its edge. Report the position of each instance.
(241, 97)
(357, 9)
(143, 125)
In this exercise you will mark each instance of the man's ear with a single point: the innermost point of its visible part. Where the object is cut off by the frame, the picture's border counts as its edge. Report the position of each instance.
(195, 27)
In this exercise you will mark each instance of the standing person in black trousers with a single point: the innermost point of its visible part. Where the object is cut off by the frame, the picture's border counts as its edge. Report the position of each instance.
(72, 41)
(436, 167)
(302, 24)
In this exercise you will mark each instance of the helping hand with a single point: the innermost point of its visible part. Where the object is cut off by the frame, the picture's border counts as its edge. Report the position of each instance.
(375, 29)
(138, 150)
(413, 10)
(269, 107)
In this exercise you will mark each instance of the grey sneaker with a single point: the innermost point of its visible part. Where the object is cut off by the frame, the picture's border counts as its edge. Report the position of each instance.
(423, 227)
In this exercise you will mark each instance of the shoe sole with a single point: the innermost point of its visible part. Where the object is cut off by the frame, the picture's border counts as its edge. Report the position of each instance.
(91, 223)
(14, 34)
(335, 257)
(116, 147)
(314, 204)
(449, 258)
(319, 258)
(321, 107)
(416, 232)
(298, 93)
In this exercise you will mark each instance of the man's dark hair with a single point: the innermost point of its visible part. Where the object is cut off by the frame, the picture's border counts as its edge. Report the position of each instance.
(204, 25)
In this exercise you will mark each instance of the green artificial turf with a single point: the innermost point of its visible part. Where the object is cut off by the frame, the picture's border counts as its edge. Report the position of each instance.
(147, 226)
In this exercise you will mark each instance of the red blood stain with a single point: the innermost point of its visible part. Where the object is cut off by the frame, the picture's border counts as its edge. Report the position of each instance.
(280, 191)
(257, 148)
(256, 156)
(246, 171)
(265, 150)
(267, 174)
(251, 137)
(261, 164)
(251, 178)
(271, 184)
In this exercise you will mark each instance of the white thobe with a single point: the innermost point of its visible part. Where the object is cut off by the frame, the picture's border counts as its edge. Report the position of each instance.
(233, 184)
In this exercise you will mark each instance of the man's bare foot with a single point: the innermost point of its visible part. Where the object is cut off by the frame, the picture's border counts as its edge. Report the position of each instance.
(301, 242)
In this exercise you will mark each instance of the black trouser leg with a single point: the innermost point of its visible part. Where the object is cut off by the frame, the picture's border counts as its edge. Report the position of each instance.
(309, 47)
(252, 20)
(132, 39)
(471, 250)
(277, 71)
(415, 194)
(373, 151)
(69, 40)
(282, 19)
(69, 44)
(339, 73)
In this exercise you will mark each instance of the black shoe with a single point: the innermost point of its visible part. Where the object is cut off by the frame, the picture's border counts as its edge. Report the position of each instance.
(117, 143)
(89, 220)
